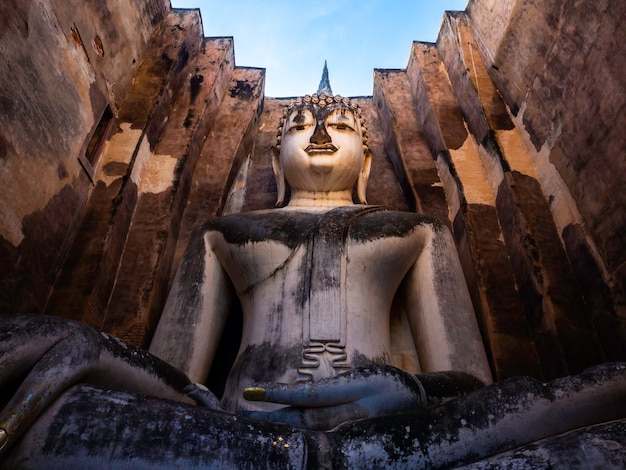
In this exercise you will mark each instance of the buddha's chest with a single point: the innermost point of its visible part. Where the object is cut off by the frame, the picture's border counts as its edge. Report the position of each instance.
(317, 266)
(321, 266)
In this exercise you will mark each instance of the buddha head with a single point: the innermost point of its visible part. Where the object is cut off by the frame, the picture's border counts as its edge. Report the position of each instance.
(322, 147)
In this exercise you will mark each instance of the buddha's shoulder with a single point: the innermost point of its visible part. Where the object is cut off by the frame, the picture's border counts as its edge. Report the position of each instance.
(289, 227)
(378, 221)
(292, 226)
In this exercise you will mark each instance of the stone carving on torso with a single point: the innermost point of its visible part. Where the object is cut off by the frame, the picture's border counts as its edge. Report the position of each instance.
(304, 318)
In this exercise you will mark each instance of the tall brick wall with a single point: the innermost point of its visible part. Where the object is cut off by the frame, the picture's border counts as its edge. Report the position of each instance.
(63, 62)
(558, 67)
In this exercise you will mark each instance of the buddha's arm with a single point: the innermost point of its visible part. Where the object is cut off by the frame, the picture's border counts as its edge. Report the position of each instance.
(195, 312)
(440, 310)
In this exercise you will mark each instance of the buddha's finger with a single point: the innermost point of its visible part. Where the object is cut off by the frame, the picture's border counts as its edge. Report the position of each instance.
(326, 392)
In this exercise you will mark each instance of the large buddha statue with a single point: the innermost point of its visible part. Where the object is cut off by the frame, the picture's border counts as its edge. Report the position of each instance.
(316, 280)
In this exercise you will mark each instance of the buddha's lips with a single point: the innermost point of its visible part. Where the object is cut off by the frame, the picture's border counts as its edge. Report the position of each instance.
(323, 148)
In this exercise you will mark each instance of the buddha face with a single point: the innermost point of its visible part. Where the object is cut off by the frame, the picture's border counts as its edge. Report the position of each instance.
(321, 148)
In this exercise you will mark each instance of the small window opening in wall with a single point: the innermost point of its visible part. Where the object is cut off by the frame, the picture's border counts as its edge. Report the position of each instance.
(97, 141)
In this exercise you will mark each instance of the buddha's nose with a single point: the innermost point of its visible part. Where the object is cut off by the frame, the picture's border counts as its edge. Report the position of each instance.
(320, 136)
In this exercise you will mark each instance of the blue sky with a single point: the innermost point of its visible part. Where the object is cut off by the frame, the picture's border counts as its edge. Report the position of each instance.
(291, 39)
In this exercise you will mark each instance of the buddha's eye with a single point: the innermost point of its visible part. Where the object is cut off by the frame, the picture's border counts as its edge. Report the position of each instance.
(340, 126)
(297, 127)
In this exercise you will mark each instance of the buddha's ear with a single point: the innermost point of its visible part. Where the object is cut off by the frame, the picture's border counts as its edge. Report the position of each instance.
(279, 175)
(361, 184)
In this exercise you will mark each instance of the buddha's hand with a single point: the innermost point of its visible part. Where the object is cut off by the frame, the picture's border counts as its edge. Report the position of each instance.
(365, 392)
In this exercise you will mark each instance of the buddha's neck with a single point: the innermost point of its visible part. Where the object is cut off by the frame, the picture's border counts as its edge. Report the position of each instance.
(319, 200)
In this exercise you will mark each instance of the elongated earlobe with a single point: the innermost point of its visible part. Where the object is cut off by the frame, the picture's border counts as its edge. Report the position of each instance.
(280, 177)
(361, 184)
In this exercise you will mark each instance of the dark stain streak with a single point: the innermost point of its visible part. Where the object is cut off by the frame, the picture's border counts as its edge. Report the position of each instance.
(115, 169)
(182, 59)
(299, 118)
(243, 90)
(188, 119)
(61, 170)
(4, 147)
(194, 84)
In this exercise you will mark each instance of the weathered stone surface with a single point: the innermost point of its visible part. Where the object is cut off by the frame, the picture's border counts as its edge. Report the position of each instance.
(89, 273)
(434, 99)
(555, 64)
(468, 431)
(515, 37)
(29, 270)
(185, 436)
(488, 121)
(505, 329)
(54, 90)
(579, 71)
(226, 146)
(381, 77)
(142, 279)
(75, 294)
(406, 145)
(475, 225)
(260, 186)
(478, 99)
(554, 306)
(383, 187)
(599, 446)
(154, 433)
(597, 294)
(114, 36)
